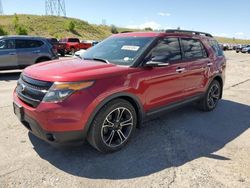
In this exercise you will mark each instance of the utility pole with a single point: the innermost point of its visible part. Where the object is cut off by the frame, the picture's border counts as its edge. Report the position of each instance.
(1, 8)
(55, 7)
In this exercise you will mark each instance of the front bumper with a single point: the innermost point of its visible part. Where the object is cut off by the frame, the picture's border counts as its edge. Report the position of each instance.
(60, 123)
(56, 138)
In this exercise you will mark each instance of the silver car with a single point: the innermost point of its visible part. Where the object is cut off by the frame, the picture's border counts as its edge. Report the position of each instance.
(21, 51)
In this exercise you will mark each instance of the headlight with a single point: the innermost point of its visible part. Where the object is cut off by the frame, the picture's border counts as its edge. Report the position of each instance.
(61, 90)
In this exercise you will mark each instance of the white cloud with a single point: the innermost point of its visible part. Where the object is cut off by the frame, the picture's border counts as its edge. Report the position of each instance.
(239, 34)
(164, 14)
(151, 24)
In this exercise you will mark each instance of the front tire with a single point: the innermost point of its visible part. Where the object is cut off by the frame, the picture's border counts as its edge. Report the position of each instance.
(212, 97)
(113, 126)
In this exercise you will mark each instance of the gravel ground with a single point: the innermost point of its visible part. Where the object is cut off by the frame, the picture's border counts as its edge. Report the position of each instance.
(186, 148)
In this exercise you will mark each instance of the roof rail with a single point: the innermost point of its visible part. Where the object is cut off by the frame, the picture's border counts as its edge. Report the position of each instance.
(188, 32)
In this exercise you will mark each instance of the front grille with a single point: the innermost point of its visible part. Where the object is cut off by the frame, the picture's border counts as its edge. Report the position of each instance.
(32, 91)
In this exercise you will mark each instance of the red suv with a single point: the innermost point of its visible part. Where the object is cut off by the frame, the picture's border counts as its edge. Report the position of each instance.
(118, 84)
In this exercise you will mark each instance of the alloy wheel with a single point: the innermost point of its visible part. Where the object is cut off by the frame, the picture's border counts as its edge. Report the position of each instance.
(213, 96)
(117, 127)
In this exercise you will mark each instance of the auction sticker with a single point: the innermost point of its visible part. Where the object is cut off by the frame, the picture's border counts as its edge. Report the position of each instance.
(130, 48)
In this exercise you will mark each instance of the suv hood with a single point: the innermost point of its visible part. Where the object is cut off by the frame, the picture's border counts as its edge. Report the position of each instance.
(69, 70)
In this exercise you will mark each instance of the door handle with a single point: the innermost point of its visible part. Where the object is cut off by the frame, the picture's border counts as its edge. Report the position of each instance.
(36, 51)
(12, 53)
(180, 70)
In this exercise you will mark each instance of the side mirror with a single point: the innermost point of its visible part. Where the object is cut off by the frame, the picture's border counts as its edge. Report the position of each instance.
(156, 64)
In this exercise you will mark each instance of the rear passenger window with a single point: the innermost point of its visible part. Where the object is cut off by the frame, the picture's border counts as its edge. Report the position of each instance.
(193, 49)
(216, 47)
(167, 50)
(22, 43)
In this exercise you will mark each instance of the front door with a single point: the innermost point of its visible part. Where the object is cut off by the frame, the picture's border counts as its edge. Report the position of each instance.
(165, 84)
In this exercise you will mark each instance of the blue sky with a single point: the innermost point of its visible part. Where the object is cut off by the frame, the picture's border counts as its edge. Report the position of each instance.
(219, 17)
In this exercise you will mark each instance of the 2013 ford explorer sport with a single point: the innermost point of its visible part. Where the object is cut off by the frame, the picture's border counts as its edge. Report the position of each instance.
(117, 85)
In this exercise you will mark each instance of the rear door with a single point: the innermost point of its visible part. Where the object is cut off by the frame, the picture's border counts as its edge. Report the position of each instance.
(8, 56)
(196, 57)
(28, 51)
(165, 84)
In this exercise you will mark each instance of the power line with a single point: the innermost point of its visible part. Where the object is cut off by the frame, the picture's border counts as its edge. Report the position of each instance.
(55, 7)
(1, 8)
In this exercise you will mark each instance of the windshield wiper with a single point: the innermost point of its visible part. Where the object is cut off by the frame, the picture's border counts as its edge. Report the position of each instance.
(98, 59)
(103, 60)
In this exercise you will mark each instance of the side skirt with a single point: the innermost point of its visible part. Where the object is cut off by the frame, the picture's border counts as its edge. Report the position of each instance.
(170, 107)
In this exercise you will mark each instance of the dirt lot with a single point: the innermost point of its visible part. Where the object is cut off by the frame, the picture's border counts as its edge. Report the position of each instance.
(186, 148)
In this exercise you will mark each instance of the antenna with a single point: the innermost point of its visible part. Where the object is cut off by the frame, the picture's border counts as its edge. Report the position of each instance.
(1, 8)
(55, 7)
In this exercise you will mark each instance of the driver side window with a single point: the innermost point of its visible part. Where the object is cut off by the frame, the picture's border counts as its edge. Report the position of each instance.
(7, 44)
(167, 50)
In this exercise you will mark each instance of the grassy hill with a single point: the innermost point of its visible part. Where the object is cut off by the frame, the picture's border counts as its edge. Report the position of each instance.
(232, 41)
(53, 26)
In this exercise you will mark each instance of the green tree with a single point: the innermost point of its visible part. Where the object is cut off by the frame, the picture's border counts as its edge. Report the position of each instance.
(148, 29)
(21, 30)
(15, 21)
(113, 29)
(2, 31)
(71, 26)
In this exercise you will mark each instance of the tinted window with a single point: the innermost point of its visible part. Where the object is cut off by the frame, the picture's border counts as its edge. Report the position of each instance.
(22, 43)
(73, 40)
(216, 47)
(193, 49)
(53, 41)
(7, 44)
(167, 50)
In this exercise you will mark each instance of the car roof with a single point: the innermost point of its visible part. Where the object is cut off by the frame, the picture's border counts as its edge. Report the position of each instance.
(21, 37)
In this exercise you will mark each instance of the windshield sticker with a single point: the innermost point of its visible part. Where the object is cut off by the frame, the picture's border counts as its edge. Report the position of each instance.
(130, 48)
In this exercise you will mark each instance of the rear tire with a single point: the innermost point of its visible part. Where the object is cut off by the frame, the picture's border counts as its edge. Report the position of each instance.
(212, 97)
(72, 51)
(62, 54)
(113, 126)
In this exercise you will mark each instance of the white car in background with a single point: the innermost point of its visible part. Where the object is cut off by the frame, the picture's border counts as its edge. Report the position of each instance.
(79, 53)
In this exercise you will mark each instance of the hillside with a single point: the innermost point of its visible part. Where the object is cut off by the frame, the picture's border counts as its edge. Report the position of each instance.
(52, 26)
(232, 41)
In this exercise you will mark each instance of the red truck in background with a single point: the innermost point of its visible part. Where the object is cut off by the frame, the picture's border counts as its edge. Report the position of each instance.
(71, 45)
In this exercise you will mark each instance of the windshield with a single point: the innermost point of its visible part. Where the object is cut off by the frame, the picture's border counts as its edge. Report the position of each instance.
(119, 50)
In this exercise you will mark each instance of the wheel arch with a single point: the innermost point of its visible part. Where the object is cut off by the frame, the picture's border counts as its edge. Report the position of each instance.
(220, 80)
(132, 99)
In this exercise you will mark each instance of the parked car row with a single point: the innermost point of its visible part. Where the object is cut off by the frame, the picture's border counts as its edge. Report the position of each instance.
(238, 48)
(243, 48)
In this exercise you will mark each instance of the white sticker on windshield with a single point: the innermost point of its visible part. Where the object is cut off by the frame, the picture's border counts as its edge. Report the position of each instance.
(130, 48)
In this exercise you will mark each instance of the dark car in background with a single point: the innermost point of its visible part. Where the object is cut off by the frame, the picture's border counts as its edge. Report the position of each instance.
(21, 51)
(239, 48)
(58, 47)
(246, 49)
